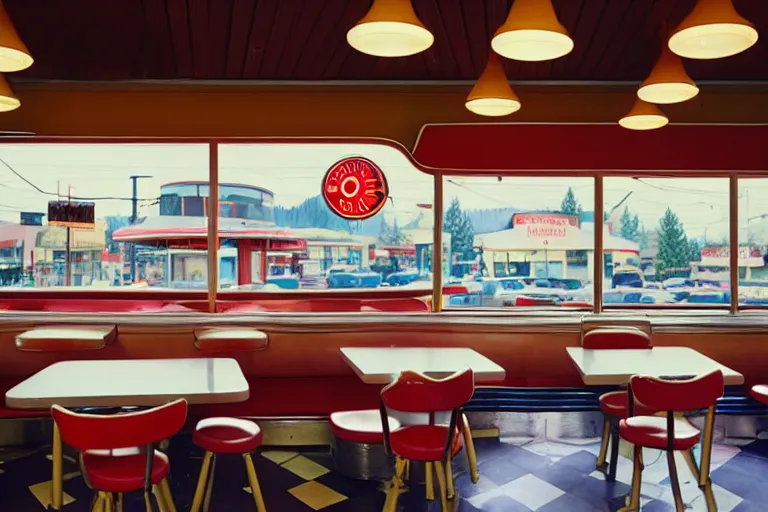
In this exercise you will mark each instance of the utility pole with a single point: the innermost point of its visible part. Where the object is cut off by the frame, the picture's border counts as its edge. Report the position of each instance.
(68, 253)
(134, 218)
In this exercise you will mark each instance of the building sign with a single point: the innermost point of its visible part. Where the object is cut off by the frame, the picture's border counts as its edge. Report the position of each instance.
(72, 214)
(544, 225)
(31, 219)
(355, 188)
(725, 252)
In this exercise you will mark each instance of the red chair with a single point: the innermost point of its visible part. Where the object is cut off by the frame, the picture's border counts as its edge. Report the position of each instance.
(226, 435)
(365, 427)
(109, 457)
(671, 434)
(760, 393)
(431, 443)
(614, 404)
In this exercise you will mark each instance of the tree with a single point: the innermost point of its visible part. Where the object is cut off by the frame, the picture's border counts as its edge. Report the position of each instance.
(643, 238)
(459, 225)
(694, 250)
(629, 226)
(674, 249)
(570, 205)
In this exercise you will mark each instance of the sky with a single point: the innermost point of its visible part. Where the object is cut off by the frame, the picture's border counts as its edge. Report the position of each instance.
(294, 173)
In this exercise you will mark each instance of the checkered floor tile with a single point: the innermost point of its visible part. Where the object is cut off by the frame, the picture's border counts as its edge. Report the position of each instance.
(516, 476)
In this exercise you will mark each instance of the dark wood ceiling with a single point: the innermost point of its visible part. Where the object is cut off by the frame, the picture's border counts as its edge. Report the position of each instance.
(616, 40)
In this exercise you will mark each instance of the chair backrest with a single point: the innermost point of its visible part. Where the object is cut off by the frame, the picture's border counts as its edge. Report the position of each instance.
(414, 392)
(678, 395)
(614, 337)
(95, 432)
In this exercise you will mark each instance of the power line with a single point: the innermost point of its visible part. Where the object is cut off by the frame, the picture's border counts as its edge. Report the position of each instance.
(38, 189)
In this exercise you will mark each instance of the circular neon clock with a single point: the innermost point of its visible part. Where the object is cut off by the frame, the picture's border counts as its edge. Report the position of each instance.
(355, 188)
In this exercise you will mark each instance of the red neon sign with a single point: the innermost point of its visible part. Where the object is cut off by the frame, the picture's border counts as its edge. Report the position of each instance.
(355, 188)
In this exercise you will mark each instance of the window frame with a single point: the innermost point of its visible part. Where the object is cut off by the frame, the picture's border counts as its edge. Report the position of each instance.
(212, 295)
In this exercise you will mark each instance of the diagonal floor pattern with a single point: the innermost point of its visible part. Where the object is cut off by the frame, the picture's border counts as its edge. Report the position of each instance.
(516, 476)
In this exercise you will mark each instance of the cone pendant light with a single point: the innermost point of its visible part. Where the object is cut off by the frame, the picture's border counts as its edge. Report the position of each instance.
(8, 100)
(668, 81)
(14, 55)
(644, 116)
(492, 94)
(532, 32)
(390, 29)
(712, 30)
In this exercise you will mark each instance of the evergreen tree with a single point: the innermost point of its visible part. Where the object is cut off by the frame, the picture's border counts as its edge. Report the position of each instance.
(570, 205)
(674, 249)
(459, 225)
(694, 250)
(629, 226)
(643, 238)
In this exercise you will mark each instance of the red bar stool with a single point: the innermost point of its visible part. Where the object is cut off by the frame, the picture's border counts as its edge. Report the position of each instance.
(760, 393)
(431, 443)
(672, 434)
(614, 404)
(226, 435)
(110, 460)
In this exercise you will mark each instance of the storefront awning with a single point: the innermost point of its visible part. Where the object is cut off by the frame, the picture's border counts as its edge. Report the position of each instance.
(561, 238)
(488, 148)
(155, 229)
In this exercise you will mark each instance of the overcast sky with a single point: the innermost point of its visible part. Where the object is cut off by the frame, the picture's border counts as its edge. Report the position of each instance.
(294, 172)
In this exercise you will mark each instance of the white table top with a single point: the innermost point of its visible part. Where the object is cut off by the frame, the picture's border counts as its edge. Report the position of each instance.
(139, 382)
(381, 365)
(601, 367)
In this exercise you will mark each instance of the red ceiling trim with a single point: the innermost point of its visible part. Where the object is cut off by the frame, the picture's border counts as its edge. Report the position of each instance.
(494, 149)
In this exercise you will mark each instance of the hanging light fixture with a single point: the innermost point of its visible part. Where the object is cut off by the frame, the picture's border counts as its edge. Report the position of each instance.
(8, 100)
(390, 29)
(14, 55)
(712, 30)
(668, 81)
(532, 32)
(644, 116)
(492, 94)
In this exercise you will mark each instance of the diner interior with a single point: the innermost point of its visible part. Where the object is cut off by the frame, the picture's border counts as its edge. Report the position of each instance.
(384, 255)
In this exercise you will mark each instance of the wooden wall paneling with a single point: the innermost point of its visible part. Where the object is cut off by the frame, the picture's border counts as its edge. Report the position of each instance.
(298, 40)
(316, 46)
(200, 39)
(239, 34)
(569, 14)
(285, 23)
(178, 20)
(219, 26)
(613, 16)
(644, 48)
(156, 41)
(453, 21)
(440, 57)
(335, 47)
(586, 28)
(477, 34)
(543, 70)
(261, 29)
(636, 18)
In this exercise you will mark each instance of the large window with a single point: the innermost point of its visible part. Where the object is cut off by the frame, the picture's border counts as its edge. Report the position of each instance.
(279, 232)
(136, 216)
(520, 241)
(666, 242)
(753, 242)
(135, 240)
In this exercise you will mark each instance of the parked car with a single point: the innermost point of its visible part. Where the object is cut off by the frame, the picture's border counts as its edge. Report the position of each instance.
(709, 297)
